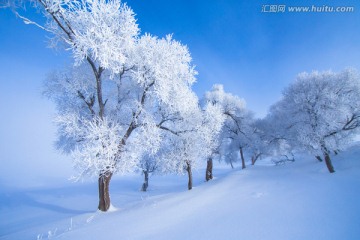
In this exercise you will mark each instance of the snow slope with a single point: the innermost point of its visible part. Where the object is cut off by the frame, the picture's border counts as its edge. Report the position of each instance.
(299, 200)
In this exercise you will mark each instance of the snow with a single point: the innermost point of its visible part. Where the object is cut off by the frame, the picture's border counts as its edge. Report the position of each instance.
(299, 200)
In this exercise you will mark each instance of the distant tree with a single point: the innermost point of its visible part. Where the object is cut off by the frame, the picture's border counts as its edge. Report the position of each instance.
(148, 165)
(238, 126)
(213, 122)
(320, 112)
(186, 141)
(210, 103)
(272, 139)
(240, 130)
(258, 145)
(191, 140)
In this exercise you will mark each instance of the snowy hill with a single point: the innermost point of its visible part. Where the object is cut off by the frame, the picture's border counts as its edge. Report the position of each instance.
(299, 200)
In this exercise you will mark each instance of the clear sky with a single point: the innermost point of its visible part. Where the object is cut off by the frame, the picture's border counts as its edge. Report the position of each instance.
(254, 54)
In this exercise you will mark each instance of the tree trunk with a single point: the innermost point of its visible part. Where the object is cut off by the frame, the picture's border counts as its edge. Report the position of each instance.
(188, 169)
(104, 195)
(146, 181)
(326, 153)
(328, 162)
(209, 168)
(319, 158)
(254, 158)
(232, 166)
(242, 158)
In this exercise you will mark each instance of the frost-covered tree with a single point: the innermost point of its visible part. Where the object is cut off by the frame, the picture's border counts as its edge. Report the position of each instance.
(258, 146)
(112, 103)
(271, 138)
(100, 33)
(148, 164)
(238, 126)
(191, 140)
(240, 131)
(186, 141)
(215, 120)
(320, 112)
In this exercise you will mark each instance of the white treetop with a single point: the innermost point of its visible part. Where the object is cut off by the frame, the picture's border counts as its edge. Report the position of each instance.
(104, 30)
(322, 109)
(132, 92)
(319, 112)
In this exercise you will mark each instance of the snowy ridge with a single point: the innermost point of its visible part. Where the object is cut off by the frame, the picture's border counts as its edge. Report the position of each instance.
(299, 200)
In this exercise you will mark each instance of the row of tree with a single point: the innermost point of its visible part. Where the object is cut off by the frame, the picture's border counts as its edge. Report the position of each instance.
(319, 113)
(127, 103)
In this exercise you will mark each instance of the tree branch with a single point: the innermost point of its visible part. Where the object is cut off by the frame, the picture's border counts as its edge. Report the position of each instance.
(89, 104)
(28, 21)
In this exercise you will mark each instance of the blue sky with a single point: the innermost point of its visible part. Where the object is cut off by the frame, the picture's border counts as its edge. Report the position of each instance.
(253, 54)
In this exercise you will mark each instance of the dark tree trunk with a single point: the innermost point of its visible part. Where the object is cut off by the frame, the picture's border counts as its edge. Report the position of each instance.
(328, 162)
(188, 169)
(254, 158)
(146, 181)
(319, 158)
(326, 153)
(242, 158)
(104, 195)
(209, 168)
(232, 166)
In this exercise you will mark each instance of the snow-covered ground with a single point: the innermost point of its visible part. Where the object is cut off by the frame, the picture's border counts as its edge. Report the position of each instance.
(299, 200)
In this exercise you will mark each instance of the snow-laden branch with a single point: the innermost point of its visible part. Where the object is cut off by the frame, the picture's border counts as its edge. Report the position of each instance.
(30, 22)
